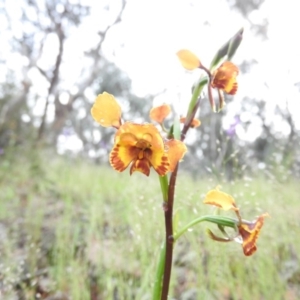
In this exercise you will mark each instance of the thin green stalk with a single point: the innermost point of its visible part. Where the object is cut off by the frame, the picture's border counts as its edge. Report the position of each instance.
(169, 198)
(220, 220)
(163, 180)
(159, 273)
(197, 90)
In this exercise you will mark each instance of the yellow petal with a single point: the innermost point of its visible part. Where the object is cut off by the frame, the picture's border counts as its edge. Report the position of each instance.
(188, 59)
(106, 111)
(159, 113)
(159, 161)
(176, 150)
(220, 199)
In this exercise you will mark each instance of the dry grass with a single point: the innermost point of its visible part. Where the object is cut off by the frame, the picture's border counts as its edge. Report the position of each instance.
(73, 230)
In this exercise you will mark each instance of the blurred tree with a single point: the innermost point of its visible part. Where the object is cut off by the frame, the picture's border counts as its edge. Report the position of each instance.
(245, 8)
(43, 97)
(47, 87)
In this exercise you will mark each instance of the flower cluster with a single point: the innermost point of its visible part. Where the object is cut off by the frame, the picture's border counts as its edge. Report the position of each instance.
(223, 78)
(139, 145)
(247, 232)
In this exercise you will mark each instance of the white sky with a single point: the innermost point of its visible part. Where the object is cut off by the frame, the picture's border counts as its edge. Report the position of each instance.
(152, 31)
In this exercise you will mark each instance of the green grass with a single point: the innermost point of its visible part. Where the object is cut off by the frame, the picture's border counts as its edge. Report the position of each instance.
(92, 233)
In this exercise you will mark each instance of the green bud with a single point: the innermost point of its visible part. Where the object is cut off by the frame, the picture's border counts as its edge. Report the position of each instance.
(228, 48)
(235, 43)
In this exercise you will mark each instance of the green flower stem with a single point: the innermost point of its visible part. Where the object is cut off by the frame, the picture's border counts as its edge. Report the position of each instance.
(163, 180)
(220, 220)
(168, 208)
(176, 128)
(197, 90)
(168, 191)
(163, 275)
(159, 273)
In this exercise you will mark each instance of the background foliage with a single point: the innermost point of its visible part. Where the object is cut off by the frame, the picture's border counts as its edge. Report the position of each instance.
(41, 104)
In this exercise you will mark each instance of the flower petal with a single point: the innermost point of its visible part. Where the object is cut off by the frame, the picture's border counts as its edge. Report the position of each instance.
(106, 111)
(220, 199)
(188, 59)
(225, 78)
(159, 113)
(195, 123)
(147, 132)
(249, 233)
(121, 156)
(176, 151)
(160, 162)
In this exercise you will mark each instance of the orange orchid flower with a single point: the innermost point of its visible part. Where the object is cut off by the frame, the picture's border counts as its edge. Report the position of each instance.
(224, 78)
(247, 231)
(142, 146)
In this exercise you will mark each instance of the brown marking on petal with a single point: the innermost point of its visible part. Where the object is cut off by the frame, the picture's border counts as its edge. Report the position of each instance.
(233, 89)
(160, 163)
(219, 83)
(249, 233)
(224, 78)
(249, 241)
(115, 161)
(162, 170)
(141, 154)
(164, 159)
(141, 165)
(163, 167)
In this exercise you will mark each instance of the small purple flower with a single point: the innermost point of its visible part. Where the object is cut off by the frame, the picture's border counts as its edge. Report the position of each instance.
(67, 131)
(231, 131)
